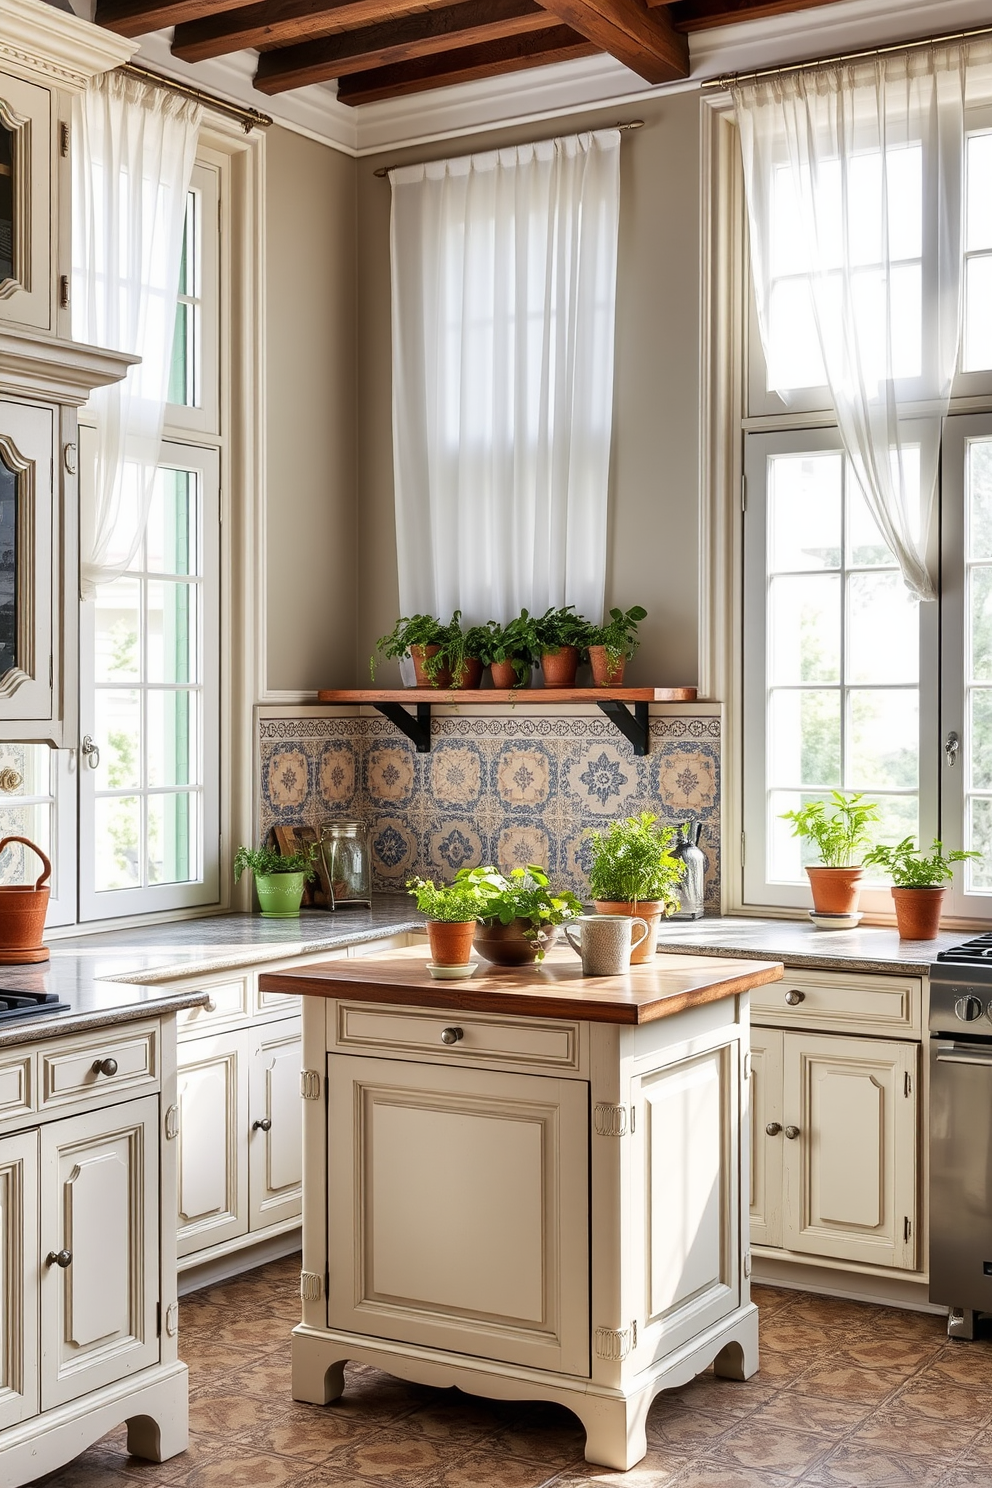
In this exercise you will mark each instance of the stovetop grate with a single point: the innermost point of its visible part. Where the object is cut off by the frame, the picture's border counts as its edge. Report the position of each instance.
(15, 1005)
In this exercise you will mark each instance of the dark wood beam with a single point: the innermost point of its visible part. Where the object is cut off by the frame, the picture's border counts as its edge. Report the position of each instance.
(472, 23)
(137, 17)
(271, 23)
(466, 65)
(643, 40)
(700, 15)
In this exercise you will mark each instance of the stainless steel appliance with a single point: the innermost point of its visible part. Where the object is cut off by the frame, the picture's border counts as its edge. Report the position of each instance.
(17, 1005)
(961, 1133)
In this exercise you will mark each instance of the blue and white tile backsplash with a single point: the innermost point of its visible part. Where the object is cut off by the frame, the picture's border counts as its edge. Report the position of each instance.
(494, 789)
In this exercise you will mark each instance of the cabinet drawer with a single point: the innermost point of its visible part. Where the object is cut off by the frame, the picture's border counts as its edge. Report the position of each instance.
(16, 1084)
(841, 1002)
(550, 1043)
(228, 1004)
(69, 1071)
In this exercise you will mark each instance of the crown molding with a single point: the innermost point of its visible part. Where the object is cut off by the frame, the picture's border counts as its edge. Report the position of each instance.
(36, 40)
(33, 366)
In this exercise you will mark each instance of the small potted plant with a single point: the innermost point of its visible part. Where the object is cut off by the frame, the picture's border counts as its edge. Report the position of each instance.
(919, 883)
(451, 919)
(559, 639)
(613, 644)
(506, 651)
(518, 912)
(279, 880)
(633, 873)
(840, 829)
(421, 637)
(461, 653)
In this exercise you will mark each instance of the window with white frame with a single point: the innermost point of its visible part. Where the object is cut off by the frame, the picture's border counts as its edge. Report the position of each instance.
(849, 683)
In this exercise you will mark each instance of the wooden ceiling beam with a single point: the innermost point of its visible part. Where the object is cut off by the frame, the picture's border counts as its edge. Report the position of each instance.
(701, 15)
(471, 23)
(270, 23)
(138, 17)
(466, 64)
(643, 40)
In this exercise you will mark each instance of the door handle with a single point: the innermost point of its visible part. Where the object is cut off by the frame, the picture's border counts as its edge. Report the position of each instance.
(90, 750)
(951, 746)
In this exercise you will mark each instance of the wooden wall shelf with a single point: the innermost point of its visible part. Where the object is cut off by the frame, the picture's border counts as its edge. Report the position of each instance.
(625, 707)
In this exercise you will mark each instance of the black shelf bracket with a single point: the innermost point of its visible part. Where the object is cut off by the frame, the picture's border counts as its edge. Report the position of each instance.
(416, 726)
(633, 726)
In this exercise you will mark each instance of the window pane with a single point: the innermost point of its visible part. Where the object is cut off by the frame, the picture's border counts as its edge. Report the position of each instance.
(117, 827)
(172, 732)
(883, 641)
(980, 735)
(181, 380)
(118, 631)
(978, 479)
(978, 313)
(26, 809)
(170, 537)
(118, 724)
(171, 833)
(804, 737)
(172, 640)
(979, 230)
(804, 512)
(978, 871)
(884, 729)
(980, 608)
(804, 629)
(866, 547)
(794, 359)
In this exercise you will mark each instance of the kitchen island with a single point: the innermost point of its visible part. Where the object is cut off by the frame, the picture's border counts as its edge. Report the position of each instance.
(527, 1184)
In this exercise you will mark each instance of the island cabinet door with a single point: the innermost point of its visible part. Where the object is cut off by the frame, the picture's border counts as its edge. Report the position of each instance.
(99, 1248)
(850, 1171)
(766, 1136)
(213, 1140)
(275, 1125)
(18, 1278)
(458, 1210)
(685, 1230)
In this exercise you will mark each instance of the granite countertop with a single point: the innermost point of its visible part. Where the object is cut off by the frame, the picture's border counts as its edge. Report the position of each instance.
(868, 948)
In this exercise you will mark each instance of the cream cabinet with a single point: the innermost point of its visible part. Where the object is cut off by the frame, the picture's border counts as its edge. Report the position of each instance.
(20, 1384)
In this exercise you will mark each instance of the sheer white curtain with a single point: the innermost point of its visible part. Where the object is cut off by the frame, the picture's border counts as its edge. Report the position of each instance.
(503, 307)
(133, 153)
(854, 184)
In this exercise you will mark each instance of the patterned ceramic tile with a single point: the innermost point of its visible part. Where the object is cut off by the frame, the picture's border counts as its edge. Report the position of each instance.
(336, 773)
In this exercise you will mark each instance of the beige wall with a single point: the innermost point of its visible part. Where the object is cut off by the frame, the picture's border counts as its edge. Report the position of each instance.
(311, 333)
(653, 540)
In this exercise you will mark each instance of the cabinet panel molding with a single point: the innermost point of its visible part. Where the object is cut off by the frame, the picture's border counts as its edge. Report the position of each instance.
(766, 1147)
(861, 1004)
(275, 1151)
(18, 1272)
(212, 1159)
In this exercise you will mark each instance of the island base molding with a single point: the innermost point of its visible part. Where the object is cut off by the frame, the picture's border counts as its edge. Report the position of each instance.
(615, 1420)
(875, 1286)
(155, 1405)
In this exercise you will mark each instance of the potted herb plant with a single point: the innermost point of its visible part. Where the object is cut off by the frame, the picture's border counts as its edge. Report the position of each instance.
(840, 829)
(612, 644)
(461, 653)
(633, 873)
(559, 638)
(279, 880)
(518, 912)
(421, 637)
(919, 883)
(451, 918)
(505, 650)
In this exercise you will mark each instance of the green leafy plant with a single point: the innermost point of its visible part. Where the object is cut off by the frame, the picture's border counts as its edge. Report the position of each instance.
(840, 835)
(452, 903)
(509, 643)
(263, 861)
(521, 894)
(457, 647)
(618, 635)
(556, 628)
(910, 867)
(631, 862)
(417, 630)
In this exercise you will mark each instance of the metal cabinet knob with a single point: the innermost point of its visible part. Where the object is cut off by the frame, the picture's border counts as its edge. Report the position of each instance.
(792, 1132)
(210, 1006)
(264, 1125)
(773, 1128)
(61, 1258)
(451, 1035)
(105, 1067)
(795, 997)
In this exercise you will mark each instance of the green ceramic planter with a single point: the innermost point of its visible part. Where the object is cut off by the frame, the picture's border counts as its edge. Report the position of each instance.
(279, 894)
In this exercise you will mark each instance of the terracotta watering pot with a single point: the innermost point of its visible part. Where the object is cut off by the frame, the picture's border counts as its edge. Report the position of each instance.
(22, 914)
(835, 890)
(918, 912)
(451, 941)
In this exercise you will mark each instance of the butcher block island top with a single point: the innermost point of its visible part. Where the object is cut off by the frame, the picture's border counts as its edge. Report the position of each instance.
(552, 988)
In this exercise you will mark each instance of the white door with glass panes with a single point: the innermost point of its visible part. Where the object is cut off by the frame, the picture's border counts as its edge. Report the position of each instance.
(149, 705)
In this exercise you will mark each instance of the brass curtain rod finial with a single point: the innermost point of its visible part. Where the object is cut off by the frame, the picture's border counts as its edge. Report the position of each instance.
(632, 124)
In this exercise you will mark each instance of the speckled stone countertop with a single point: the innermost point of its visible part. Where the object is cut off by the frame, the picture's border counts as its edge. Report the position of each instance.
(868, 948)
(115, 977)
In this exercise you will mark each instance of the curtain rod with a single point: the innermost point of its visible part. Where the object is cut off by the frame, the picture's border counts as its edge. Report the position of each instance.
(248, 118)
(384, 170)
(730, 79)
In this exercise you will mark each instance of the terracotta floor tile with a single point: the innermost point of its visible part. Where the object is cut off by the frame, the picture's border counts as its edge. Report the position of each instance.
(676, 1426)
(966, 1477)
(487, 1470)
(894, 1428)
(393, 1457)
(900, 1355)
(788, 1333)
(942, 1400)
(966, 1363)
(763, 1444)
(842, 1381)
(658, 1469)
(719, 1475)
(732, 1397)
(834, 1312)
(780, 1368)
(854, 1466)
(830, 1418)
(236, 1468)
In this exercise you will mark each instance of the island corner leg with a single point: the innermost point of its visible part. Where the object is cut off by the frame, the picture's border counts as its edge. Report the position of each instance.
(616, 1430)
(161, 1430)
(738, 1359)
(316, 1380)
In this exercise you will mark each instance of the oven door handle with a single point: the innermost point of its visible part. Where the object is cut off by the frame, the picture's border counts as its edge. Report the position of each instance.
(957, 1055)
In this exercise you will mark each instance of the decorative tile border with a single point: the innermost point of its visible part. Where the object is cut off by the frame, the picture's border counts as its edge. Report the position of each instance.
(507, 789)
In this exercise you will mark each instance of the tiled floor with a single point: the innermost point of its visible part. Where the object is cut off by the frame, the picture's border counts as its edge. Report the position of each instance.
(848, 1396)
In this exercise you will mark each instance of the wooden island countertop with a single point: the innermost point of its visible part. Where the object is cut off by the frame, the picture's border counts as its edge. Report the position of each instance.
(552, 988)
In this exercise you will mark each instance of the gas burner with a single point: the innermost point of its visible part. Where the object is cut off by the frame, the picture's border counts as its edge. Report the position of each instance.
(15, 1005)
(978, 949)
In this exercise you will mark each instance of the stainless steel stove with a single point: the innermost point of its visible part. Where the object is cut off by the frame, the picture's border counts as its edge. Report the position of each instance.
(17, 1005)
(961, 1133)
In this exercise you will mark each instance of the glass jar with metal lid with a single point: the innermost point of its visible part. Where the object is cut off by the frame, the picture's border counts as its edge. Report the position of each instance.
(344, 849)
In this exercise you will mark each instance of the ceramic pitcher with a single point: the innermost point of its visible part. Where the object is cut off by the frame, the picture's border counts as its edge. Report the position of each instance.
(605, 942)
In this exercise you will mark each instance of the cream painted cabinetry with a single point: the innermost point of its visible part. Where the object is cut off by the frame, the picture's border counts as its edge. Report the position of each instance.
(835, 1120)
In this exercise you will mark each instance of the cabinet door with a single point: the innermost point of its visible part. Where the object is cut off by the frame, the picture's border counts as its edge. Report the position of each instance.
(458, 1210)
(27, 599)
(766, 1147)
(26, 260)
(99, 1203)
(18, 1278)
(275, 1117)
(213, 1144)
(850, 1175)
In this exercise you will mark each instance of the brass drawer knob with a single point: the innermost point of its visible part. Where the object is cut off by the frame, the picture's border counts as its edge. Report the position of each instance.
(105, 1067)
(792, 1132)
(795, 997)
(264, 1125)
(61, 1258)
(451, 1035)
(773, 1128)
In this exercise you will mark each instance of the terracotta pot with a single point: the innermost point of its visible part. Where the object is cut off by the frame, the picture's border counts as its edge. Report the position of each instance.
(22, 914)
(419, 655)
(559, 667)
(506, 945)
(451, 941)
(606, 673)
(918, 912)
(649, 910)
(469, 674)
(835, 890)
(504, 676)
